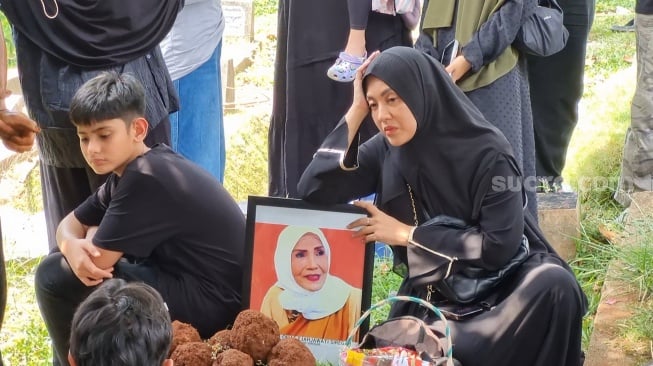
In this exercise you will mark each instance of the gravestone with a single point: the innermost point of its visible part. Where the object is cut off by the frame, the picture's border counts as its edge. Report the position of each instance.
(559, 221)
(239, 19)
(238, 38)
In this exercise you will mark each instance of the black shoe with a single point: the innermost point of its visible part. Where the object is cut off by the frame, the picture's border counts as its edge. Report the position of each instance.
(628, 27)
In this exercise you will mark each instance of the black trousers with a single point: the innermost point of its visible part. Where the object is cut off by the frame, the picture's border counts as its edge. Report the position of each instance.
(556, 85)
(59, 292)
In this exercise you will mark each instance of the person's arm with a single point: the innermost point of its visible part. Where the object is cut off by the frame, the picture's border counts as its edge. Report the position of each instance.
(16, 130)
(497, 33)
(106, 258)
(359, 108)
(341, 170)
(80, 252)
(492, 38)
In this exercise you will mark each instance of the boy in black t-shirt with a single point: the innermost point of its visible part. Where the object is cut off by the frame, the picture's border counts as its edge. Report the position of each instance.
(159, 219)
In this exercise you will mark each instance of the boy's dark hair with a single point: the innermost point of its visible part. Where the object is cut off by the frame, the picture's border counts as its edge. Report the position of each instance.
(121, 324)
(107, 96)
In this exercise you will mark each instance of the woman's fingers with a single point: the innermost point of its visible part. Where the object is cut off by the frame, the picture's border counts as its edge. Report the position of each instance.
(368, 206)
(363, 221)
(367, 62)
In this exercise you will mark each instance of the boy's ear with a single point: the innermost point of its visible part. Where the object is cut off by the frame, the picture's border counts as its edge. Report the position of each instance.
(140, 127)
(167, 362)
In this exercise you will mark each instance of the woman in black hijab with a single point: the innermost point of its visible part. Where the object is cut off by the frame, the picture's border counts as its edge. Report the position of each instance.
(436, 155)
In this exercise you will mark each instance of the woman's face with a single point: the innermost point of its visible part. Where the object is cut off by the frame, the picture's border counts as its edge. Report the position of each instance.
(309, 263)
(389, 112)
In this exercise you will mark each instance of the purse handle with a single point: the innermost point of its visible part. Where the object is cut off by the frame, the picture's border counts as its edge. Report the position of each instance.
(393, 299)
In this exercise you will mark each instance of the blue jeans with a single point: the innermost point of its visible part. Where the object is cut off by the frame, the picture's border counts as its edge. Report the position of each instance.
(197, 130)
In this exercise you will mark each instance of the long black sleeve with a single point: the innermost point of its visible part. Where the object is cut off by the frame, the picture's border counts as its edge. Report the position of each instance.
(338, 174)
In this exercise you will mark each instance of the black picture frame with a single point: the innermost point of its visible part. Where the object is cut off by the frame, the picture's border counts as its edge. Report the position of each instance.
(350, 260)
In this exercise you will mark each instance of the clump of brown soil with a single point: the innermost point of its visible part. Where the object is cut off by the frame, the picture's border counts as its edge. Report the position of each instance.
(193, 354)
(253, 339)
(221, 340)
(290, 351)
(233, 357)
(183, 333)
(254, 334)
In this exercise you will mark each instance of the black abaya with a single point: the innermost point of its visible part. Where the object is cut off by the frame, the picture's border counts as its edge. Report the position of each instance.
(461, 166)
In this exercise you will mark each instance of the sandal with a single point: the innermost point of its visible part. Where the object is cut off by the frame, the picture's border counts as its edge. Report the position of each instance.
(344, 69)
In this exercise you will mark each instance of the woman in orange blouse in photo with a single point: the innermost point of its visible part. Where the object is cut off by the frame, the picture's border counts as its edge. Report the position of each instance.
(306, 300)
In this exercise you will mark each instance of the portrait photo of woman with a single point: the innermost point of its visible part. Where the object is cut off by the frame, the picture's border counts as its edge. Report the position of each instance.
(307, 300)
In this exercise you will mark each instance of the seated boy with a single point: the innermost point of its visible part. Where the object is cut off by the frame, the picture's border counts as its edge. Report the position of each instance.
(159, 219)
(121, 323)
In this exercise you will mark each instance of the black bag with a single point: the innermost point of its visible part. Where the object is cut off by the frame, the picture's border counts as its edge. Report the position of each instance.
(467, 284)
(471, 284)
(543, 33)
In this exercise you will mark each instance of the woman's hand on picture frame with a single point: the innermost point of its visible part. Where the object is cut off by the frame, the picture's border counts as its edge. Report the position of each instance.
(380, 226)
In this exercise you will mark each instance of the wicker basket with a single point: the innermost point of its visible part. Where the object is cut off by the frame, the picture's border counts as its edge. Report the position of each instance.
(393, 356)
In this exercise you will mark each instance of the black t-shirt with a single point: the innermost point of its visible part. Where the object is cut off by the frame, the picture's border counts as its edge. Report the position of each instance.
(174, 216)
(644, 7)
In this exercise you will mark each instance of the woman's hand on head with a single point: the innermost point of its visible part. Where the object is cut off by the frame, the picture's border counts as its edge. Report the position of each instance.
(359, 107)
(380, 226)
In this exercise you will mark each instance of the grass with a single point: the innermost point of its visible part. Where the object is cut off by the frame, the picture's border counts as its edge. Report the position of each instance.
(592, 169)
(11, 50)
(24, 339)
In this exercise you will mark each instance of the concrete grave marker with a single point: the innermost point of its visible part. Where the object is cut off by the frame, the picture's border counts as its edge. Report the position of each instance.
(239, 19)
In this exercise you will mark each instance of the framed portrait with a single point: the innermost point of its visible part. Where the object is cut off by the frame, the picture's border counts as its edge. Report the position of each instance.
(306, 271)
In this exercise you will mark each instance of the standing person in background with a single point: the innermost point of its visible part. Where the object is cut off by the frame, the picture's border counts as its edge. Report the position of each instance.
(637, 165)
(60, 45)
(192, 53)
(306, 103)
(556, 84)
(486, 67)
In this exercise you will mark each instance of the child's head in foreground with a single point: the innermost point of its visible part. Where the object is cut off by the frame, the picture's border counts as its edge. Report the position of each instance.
(108, 112)
(121, 324)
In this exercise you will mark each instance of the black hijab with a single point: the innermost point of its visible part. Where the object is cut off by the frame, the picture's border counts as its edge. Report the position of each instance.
(448, 162)
(93, 33)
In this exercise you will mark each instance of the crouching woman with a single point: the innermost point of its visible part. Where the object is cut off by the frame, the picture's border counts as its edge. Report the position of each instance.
(436, 156)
